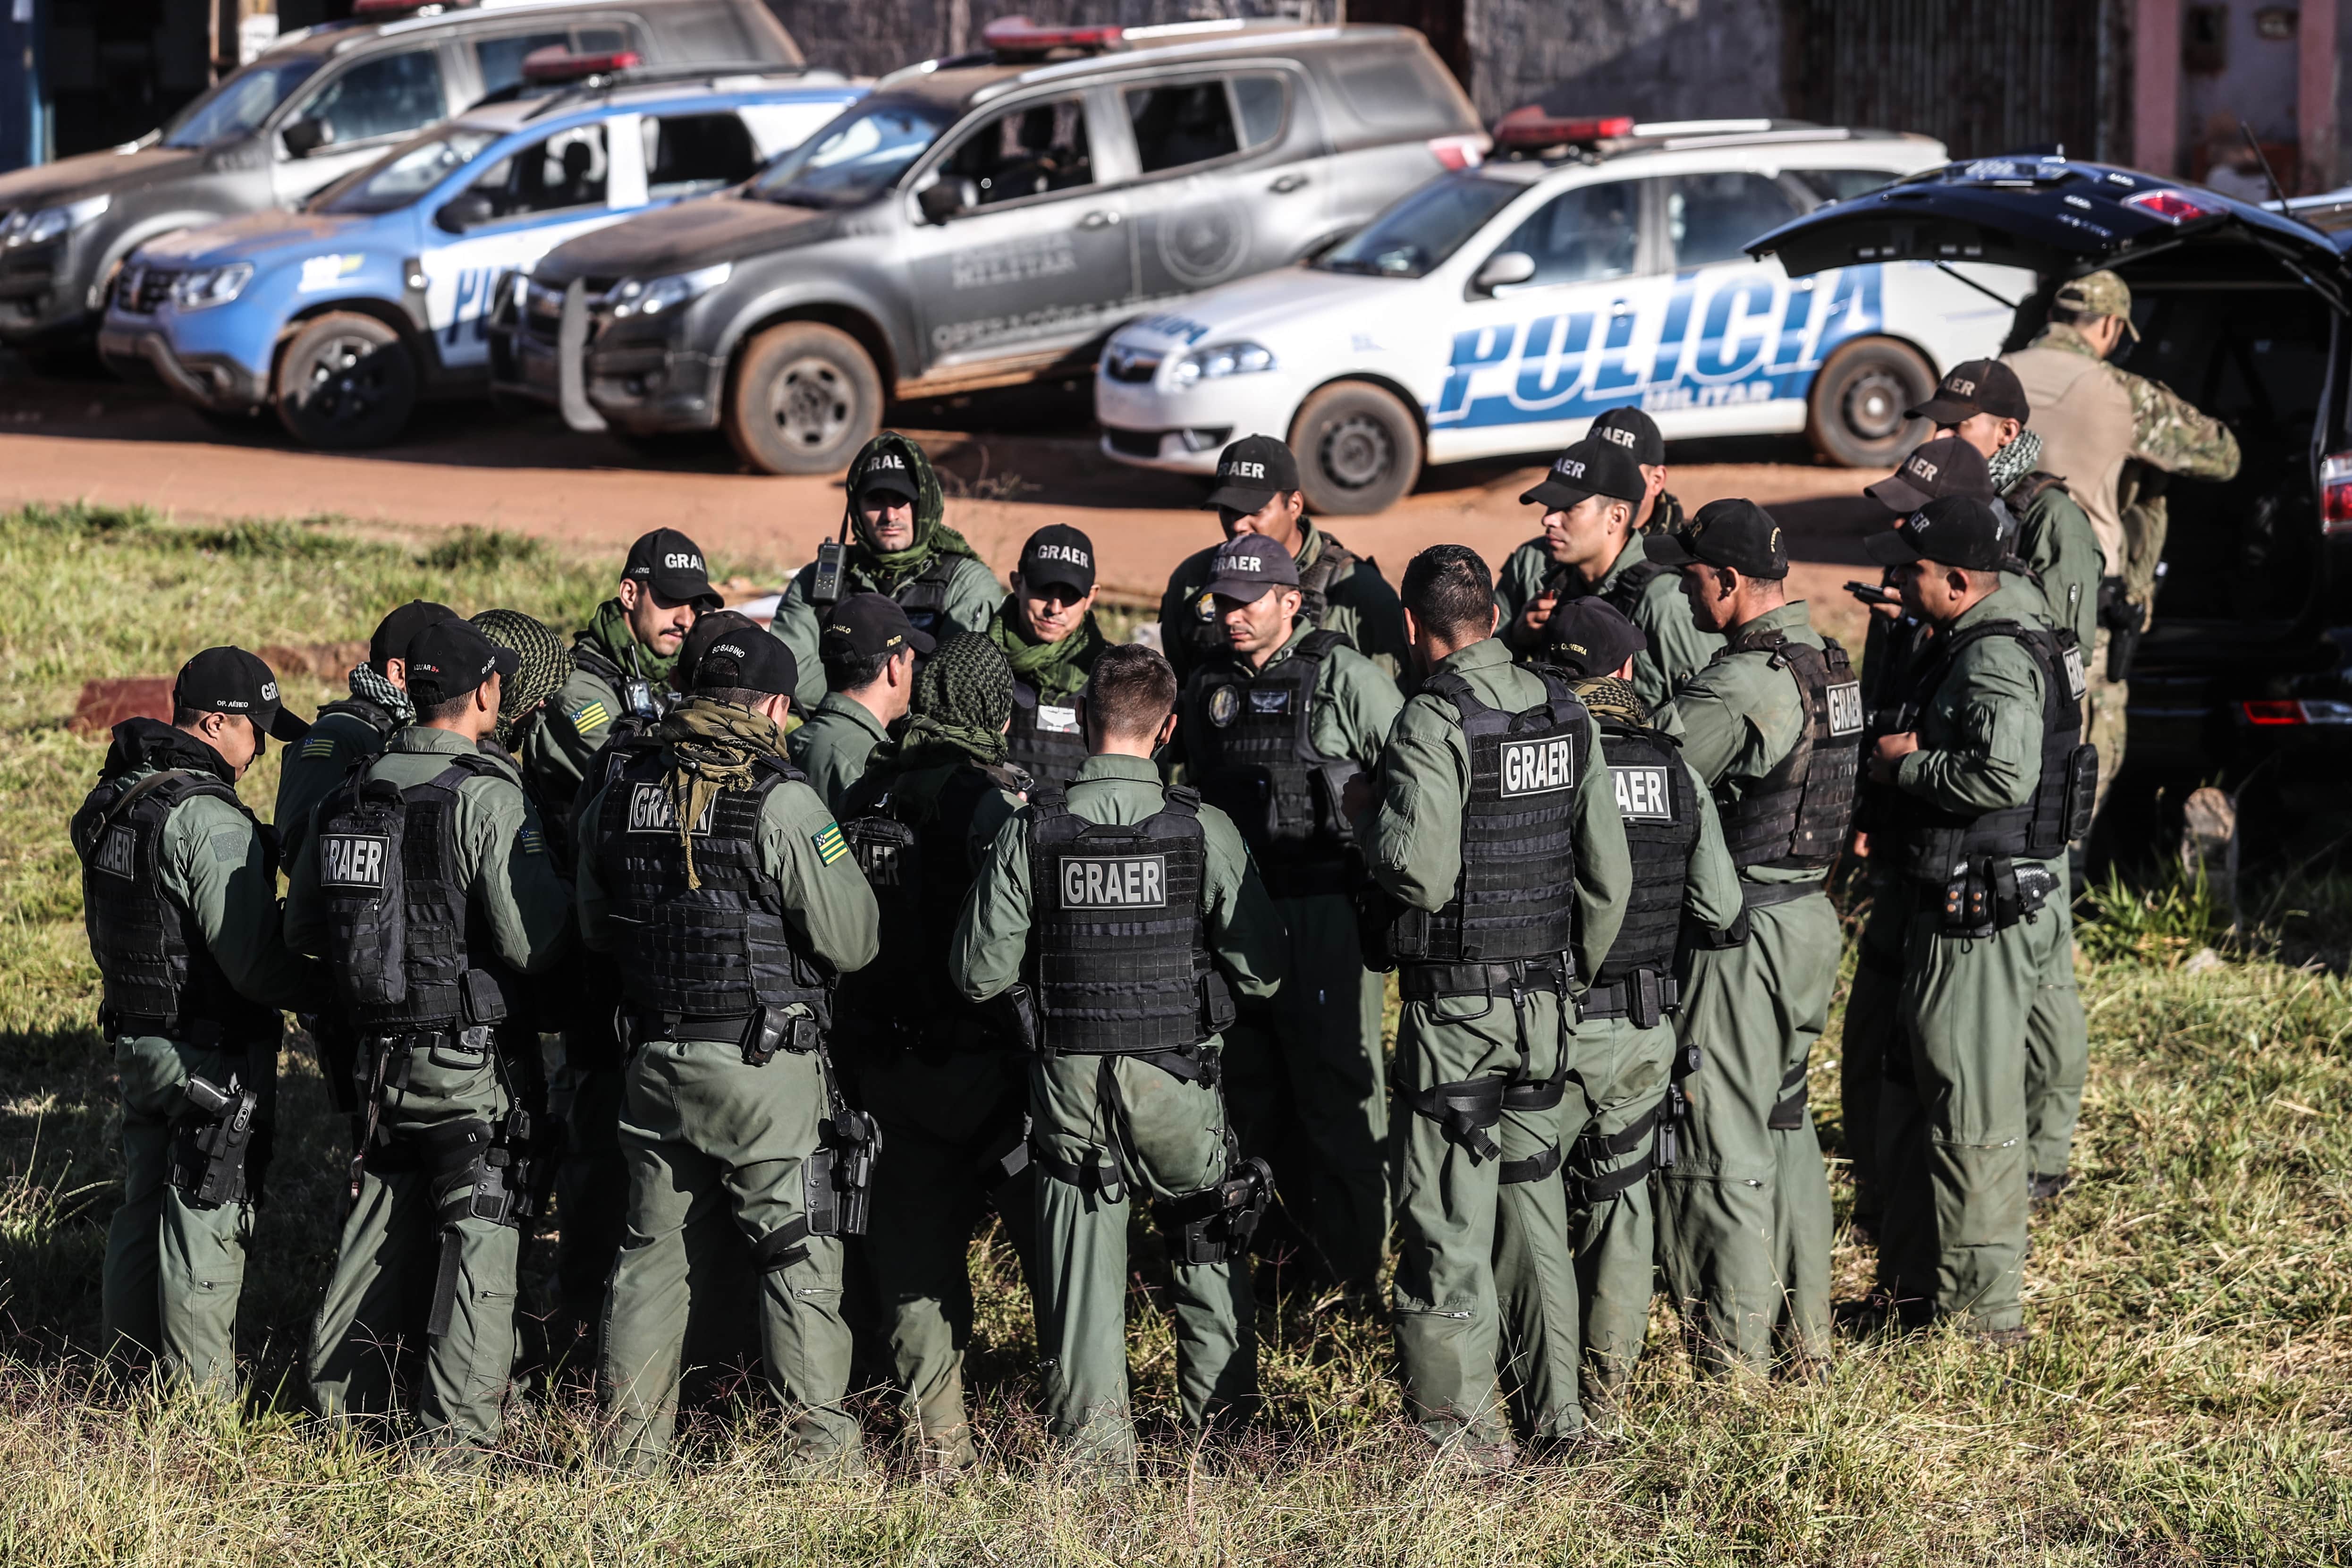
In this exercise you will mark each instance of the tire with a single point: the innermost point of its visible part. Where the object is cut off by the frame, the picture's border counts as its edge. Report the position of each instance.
(1358, 449)
(803, 399)
(1854, 413)
(346, 381)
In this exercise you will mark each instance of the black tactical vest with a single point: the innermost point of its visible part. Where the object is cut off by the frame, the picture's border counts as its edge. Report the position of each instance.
(1660, 807)
(924, 596)
(372, 714)
(1796, 817)
(151, 956)
(639, 697)
(1516, 898)
(1045, 740)
(1118, 947)
(408, 952)
(1250, 749)
(1625, 594)
(1205, 631)
(725, 949)
(1933, 843)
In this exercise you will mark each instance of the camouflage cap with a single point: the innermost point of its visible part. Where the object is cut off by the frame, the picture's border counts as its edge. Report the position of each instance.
(2100, 293)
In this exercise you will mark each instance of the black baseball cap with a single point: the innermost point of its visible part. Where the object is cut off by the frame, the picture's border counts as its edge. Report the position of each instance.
(706, 630)
(1975, 386)
(1955, 531)
(886, 470)
(231, 681)
(1732, 533)
(1252, 471)
(672, 565)
(1635, 431)
(451, 658)
(1595, 466)
(1058, 555)
(752, 660)
(1247, 566)
(1591, 637)
(1947, 466)
(393, 632)
(860, 626)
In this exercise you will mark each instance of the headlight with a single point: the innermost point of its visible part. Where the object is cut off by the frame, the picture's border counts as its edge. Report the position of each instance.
(1223, 360)
(211, 285)
(50, 222)
(631, 297)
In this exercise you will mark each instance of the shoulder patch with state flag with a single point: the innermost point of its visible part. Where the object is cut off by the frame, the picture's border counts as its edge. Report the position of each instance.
(830, 845)
(319, 746)
(589, 715)
(531, 840)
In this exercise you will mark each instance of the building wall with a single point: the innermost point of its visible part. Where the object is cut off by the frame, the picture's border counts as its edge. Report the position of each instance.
(1654, 59)
(867, 38)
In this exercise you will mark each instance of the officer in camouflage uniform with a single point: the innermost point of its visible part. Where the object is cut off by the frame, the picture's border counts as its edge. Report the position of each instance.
(1119, 918)
(724, 891)
(2094, 419)
(180, 898)
(1046, 630)
(1621, 1052)
(870, 649)
(1592, 546)
(428, 887)
(1258, 492)
(947, 1079)
(1502, 878)
(1984, 782)
(895, 542)
(1270, 732)
(354, 730)
(1773, 724)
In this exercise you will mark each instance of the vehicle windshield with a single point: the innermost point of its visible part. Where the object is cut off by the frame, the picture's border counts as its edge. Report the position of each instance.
(403, 174)
(1420, 231)
(855, 159)
(238, 106)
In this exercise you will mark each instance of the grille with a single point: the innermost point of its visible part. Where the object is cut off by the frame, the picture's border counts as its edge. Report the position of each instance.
(1133, 443)
(141, 289)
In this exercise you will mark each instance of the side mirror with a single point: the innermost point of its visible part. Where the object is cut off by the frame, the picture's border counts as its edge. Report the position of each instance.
(305, 136)
(1504, 269)
(468, 209)
(943, 201)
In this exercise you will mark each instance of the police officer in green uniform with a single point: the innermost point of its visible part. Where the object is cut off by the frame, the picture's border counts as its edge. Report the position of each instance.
(894, 540)
(1120, 918)
(1271, 731)
(1046, 630)
(1258, 492)
(1592, 502)
(869, 648)
(352, 731)
(180, 898)
(1502, 877)
(1531, 578)
(1773, 724)
(1620, 1053)
(724, 891)
(1985, 783)
(428, 887)
(947, 1079)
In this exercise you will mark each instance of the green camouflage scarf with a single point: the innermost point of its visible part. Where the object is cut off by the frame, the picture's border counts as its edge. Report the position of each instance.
(2014, 462)
(1054, 669)
(887, 569)
(712, 746)
(1606, 697)
(610, 632)
(963, 695)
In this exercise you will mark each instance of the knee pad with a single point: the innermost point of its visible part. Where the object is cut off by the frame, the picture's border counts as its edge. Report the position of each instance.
(1216, 1223)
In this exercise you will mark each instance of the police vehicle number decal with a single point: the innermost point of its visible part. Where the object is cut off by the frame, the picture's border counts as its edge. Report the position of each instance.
(1058, 720)
(117, 852)
(1642, 793)
(353, 860)
(1115, 882)
(1275, 701)
(1538, 767)
(649, 811)
(1845, 708)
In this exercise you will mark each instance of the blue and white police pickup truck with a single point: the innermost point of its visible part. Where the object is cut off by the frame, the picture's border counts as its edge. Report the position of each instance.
(1589, 264)
(340, 316)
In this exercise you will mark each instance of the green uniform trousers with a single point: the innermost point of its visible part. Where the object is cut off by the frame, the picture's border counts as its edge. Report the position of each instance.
(1744, 1215)
(2057, 1052)
(1309, 1090)
(174, 1271)
(1952, 1120)
(1873, 1022)
(704, 1131)
(390, 1259)
(1448, 1203)
(1166, 1138)
(948, 1123)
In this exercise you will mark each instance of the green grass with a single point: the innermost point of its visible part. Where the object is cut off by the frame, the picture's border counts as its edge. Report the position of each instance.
(2187, 1398)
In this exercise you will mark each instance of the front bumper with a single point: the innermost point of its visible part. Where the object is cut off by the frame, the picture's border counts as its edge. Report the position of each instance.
(38, 299)
(1184, 432)
(218, 382)
(638, 379)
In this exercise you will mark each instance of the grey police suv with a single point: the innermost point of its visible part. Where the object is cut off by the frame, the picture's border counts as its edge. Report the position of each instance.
(320, 104)
(981, 221)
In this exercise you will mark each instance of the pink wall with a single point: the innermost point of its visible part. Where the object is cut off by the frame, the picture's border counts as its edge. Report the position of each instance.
(2155, 86)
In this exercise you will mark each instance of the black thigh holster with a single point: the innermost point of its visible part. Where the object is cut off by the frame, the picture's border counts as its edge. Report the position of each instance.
(1216, 1223)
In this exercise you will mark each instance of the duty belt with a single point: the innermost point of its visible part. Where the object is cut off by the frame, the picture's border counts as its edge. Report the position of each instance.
(1764, 895)
(203, 1032)
(1645, 996)
(1429, 981)
(724, 1029)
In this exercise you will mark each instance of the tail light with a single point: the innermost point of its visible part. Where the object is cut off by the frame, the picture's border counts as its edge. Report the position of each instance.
(2288, 711)
(2336, 493)
(2170, 204)
(1458, 152)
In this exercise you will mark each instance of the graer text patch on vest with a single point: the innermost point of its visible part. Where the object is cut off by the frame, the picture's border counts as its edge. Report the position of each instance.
(352, 859)
(1115, 882)
(1845, 708)
(649, 811)
(1642, 793)
(117, 852)
(1538, 767)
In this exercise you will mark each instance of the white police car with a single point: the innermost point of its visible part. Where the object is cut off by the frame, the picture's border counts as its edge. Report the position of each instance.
(380, 290)
(1589, 264)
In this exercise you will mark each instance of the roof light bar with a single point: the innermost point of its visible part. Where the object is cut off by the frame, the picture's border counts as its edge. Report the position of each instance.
(556, 63)
(1025, 36)
(376, 10)
(1529, 126)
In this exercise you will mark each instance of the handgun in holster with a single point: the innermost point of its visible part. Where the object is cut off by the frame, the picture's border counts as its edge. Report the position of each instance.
(211, 1172)
(1675, 1109)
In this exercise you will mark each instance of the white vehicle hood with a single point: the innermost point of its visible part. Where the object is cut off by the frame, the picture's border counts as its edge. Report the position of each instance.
(1280, 304)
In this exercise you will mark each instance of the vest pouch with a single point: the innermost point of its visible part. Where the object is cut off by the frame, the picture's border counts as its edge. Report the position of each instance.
(1331, 791)
(1377, 913)
(2082, 794)
(1217, 1008)
(1245, 795)
(484, 995)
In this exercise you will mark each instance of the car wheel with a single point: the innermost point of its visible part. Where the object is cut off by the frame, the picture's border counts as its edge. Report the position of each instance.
(804, 398)
(346, 380)
(1854, 415)
(1358, 449)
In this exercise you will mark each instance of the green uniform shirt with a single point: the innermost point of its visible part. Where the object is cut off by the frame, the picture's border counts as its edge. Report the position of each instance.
(973, 593)
(1413, 841)
(1358, 605)
(992, 939)
(1711, 886)
(825, 895)
(1739, 717)
(498, 843)
(831, 744)
(1980, 730)
(2054, 537)
(311, 769)
(210, 861)
(1355, 703)
(1677, 646)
